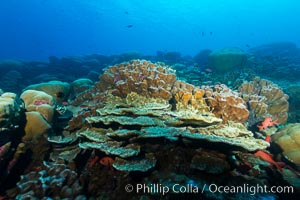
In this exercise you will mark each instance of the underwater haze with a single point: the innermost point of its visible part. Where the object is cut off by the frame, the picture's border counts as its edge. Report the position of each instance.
(37, 29)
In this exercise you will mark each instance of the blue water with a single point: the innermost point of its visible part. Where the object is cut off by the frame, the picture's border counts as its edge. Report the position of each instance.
(37, 29)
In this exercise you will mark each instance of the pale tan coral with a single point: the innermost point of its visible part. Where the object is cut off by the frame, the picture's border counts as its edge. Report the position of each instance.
(288, 138)
(226, 104)
(39, 101)
(36, 131)
(58, 90)
(135, 100)
(32, 97)
(140, 76)
(265, 99)
(125, 120)
(189, 117)
(35, 128)
(9, 111)
(234, 134)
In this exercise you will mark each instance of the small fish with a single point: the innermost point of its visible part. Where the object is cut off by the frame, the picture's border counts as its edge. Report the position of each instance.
(269, 158)
(267, 122)
(129, 26)
(126, 12)
(210, 33)
(107, 161)
(202, 33)
(268, 138)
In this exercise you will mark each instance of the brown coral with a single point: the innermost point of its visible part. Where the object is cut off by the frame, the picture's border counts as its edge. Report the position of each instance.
(226, 104)
(264, 99)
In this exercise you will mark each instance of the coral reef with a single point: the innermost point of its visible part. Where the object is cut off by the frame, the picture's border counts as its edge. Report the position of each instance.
(39, 101)
(139, 124)
(9, 111)
(80, 85)
(264, 99)
(36, 127)
(227, 59)
(288, 138)
(187, 96)
(58, 90)
(294, 100)
(55, 181)
(226, 104)
(140, 76)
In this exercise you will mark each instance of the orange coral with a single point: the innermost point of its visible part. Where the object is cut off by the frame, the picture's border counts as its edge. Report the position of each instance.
(187, 95)
(226, 104)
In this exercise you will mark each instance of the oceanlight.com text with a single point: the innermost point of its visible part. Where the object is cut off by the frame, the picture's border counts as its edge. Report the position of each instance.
(250, 189)
(207, 188)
